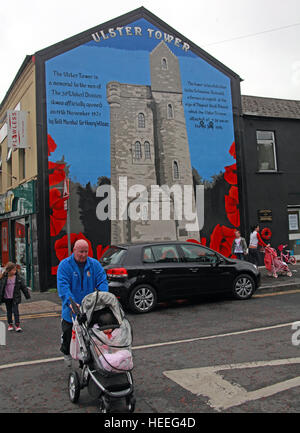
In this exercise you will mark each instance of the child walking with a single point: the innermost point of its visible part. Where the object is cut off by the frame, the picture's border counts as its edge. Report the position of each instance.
(11, 285)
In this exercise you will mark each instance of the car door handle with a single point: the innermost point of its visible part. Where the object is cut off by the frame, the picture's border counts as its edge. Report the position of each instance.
(157, 271)
(193, 269)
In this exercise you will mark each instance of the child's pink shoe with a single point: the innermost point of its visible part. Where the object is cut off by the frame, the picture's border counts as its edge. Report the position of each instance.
(18, 328)
(10, 328)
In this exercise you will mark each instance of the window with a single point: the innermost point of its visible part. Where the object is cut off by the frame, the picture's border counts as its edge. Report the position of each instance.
(141, 120)
(170, 111)
(113, 256)
(165, 254)
(195, 253)
(9, 167)
(175, 170)
(21, 164)
(266, 151)
(0, 168)
(147, 150)
(164, 64)
(138, 150)
(148, 255)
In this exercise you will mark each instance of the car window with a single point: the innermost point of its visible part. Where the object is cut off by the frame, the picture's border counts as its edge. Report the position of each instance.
(199, 254)
(113, 256)
(148, 255)
(165, 253)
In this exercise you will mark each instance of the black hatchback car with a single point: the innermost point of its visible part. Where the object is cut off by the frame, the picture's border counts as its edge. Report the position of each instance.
(143, 274)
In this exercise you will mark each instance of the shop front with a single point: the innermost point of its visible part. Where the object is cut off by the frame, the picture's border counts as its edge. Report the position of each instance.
(18, 230)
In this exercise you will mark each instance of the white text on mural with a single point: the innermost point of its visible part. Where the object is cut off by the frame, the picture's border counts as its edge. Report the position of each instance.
(137, 31)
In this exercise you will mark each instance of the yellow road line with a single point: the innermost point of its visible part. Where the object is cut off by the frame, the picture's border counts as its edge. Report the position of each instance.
(35, 316)
(286, 292)
(57, 314)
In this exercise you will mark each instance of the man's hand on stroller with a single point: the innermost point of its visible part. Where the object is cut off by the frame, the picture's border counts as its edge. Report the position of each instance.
(74, 312)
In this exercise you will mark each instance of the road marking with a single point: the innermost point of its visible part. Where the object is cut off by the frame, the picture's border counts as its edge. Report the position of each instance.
(35, 316)
(221, 393)
(38, 361)
(166, 343)
(229, 334)
(286, 292)
(58, 314)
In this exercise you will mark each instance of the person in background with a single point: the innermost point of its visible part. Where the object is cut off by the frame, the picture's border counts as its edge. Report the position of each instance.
(239, 246)
(11, 285)
(255, 240)
(77, 276)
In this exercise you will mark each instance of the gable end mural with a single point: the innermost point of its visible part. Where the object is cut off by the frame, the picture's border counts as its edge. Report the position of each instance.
(139, 140)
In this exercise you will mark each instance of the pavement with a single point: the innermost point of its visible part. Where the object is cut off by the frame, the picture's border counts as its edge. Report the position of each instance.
(49, 303)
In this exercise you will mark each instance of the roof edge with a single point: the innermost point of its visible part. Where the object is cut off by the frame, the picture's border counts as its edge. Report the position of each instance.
(26, 61)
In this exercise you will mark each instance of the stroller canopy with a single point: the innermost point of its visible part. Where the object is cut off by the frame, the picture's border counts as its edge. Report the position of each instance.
(99, 300)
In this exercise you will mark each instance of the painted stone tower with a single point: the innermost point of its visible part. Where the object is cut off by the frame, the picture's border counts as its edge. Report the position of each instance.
(149, 147)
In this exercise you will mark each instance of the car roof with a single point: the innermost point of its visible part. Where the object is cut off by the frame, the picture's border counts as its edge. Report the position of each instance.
(149, 243)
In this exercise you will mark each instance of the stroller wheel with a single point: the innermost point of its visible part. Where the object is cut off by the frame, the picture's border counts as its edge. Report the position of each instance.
(104, 405)
(130, 401)
(74, 387)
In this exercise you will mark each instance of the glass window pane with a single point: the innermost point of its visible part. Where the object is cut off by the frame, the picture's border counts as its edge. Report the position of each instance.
(265, 135)
(165, 253)
(195, 253)
(148, 256)
(147, 150)
(266, 158)
(175, 170)
(138, 150)
(141, 120)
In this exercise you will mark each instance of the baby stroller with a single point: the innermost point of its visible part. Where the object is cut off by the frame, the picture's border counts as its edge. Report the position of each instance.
(101, 342)
(274, 264)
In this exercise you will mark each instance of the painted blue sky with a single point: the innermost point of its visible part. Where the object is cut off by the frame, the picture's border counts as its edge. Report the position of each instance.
(86, 149)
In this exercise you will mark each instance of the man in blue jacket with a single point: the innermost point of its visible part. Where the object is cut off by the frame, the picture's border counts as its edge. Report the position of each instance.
(77, 276)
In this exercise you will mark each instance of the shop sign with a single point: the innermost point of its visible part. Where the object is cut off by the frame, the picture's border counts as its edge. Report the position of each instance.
(6, 202)
(16, 129)
(293, 221)
(265, 215)
(19, 201)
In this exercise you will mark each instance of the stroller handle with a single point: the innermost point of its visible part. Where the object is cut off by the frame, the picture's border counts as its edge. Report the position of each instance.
(75, 307)
(81, 317)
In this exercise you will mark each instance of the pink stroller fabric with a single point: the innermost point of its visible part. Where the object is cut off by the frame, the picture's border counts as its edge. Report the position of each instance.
(274, 264)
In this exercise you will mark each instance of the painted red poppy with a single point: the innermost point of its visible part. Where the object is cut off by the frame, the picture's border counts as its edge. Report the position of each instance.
(54, 270)
(202, 242)
(51, 145)
(221, 239)
(231, 206)
(232, 150)
(230, 174)
(101, 251)
(58, 215)
(61, 245)
(56, 173)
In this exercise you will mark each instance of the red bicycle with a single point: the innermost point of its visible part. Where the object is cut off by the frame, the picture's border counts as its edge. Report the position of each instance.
(285, 255)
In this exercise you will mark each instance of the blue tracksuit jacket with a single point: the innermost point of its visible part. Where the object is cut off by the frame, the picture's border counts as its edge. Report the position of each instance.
(70, 283)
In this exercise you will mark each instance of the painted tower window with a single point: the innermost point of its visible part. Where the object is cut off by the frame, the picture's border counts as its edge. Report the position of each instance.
(170, 111)
(175, 170)
(147, 150)
(141, 120)
(164, 64)
(138, 150)
(266, 151)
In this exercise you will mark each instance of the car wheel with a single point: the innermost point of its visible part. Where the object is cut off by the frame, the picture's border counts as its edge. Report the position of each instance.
(243, 287)
(142, 299)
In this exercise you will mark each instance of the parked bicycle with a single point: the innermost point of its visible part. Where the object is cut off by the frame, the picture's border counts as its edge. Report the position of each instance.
(285, 255)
